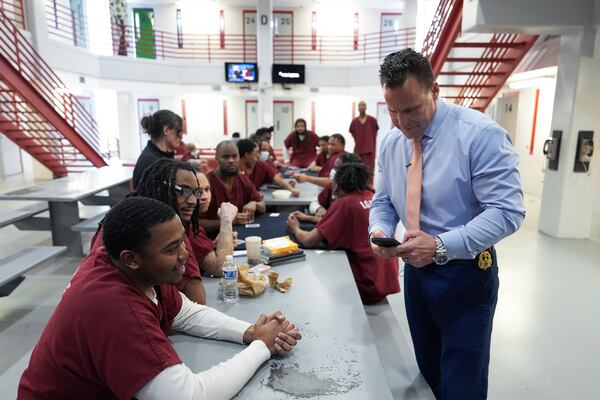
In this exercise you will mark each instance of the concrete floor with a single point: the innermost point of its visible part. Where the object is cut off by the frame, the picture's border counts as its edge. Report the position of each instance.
(545, 341)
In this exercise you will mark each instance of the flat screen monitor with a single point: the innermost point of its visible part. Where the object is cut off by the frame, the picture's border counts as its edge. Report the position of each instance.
(288, 73)
(241, 72)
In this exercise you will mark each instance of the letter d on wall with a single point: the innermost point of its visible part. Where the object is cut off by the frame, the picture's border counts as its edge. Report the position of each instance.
(264, 19)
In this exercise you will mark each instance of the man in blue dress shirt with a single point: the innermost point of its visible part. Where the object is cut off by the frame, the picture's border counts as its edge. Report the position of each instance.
(450, 174)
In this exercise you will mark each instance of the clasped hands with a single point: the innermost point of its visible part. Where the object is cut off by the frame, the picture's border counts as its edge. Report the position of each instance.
(279, 334)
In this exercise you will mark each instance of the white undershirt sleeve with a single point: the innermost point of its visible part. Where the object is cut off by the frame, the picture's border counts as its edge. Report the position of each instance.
(220, 382)
(202, 321)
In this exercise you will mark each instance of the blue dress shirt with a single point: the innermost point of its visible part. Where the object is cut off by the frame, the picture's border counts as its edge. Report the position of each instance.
(471, 196)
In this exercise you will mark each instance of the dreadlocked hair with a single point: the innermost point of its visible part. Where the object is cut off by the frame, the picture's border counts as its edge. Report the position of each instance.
(346, 158)
(127, 225)
(158, 183)
(352, 177)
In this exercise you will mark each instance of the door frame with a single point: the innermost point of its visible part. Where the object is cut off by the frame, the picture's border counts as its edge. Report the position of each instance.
(246, 114)
(285, 102)
(381, 15)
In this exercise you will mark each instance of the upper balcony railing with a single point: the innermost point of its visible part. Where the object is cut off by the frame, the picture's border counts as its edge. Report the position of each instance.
(439, 39)
(13, 10)
(156, 44)
(317, 49)
(65, 24)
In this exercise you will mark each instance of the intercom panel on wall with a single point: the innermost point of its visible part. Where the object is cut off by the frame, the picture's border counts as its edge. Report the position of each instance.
(585, 150)
(552, 150)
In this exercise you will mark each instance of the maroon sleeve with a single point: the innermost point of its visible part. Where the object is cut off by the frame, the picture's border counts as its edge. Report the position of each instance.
(332, 226)
(270, 171)
(376, 125)
(201, 246)
(127, 345)
(192, 268)
(324, 198)
(351, 128)
(250, 192)
(289, 141)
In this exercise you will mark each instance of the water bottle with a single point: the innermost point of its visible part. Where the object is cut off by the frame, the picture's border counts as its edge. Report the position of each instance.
(231, 293)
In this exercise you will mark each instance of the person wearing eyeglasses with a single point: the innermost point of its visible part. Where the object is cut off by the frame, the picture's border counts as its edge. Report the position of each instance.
(164, 128)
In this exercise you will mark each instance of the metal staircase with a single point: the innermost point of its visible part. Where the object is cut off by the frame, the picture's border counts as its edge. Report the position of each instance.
(39, 113)
(471, 68)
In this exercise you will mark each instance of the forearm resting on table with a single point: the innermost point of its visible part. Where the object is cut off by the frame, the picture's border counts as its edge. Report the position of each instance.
(220, 382)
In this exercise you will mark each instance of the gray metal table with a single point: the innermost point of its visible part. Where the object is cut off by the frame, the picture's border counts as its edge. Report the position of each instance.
(308, 193)
(337, 357)
(63, 195)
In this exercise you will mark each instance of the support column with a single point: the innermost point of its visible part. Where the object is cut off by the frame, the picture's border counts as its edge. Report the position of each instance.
(264, 45)
(568, 197)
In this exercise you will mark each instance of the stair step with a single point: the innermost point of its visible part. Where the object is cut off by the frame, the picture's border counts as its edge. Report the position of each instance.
(459, 73)
(459, 86)
(494, 45)
(479, 59)
(467, 97)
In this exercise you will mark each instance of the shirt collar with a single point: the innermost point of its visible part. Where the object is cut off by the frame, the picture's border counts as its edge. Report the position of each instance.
(440, 114)
(168, 153)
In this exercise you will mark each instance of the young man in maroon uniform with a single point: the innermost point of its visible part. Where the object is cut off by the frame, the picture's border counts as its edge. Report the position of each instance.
(336, 148)
(228, 185)
(345, 227)
(323, 155)
(303, 145)
(364, 131)
(260, 172)
(108, 336)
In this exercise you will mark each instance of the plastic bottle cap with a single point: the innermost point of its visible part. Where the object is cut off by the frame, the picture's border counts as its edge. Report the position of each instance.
(229, 258)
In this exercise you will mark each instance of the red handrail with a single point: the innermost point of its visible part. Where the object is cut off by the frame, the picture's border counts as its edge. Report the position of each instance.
(442, 33)
(13, 9)
(153, 43)
(16, 50)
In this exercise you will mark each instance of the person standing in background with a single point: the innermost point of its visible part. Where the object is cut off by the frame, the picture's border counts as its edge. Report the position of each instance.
(364, 131)
(303, 144)
(450, 174)
(164, 128)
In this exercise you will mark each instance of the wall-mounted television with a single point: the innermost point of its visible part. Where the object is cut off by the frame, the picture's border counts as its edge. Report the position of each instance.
(288, 73)
(241, 72)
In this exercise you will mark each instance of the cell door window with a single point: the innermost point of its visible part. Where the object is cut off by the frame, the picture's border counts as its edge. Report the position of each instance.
(389, 38)
(143, 20)
(284, 114)
(79, 23)
(283, 31)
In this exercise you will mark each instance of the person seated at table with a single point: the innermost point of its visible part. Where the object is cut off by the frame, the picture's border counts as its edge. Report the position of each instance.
(165, 181)
(345, 227)
(228, 185)
(318, 208)
(263, 137)
(336, 147)
(302, 143)
(164, 127)
(108, 336)
(187, 190)
(322, 157)
(259, 171)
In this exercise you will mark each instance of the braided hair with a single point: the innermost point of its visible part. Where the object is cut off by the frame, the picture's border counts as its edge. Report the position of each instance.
(157, 183)
(346, 158)
(352, 177)
(127, 225)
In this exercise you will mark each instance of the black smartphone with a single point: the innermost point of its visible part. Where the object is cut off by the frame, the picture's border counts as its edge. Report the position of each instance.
(385, 242)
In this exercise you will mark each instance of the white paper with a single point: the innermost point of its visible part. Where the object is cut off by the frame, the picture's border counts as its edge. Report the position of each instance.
(274, 215)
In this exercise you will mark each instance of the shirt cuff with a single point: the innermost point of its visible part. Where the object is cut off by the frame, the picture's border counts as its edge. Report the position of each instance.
(454, 244)
(389, 232)
(235, 330)
(259, 351)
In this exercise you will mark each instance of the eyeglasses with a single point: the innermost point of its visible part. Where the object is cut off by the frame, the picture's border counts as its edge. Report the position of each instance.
(186, 191)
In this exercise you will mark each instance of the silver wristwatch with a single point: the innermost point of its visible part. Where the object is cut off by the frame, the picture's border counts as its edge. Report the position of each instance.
(441, 255)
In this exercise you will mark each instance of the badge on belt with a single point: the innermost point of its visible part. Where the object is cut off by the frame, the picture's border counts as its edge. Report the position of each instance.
(484, 260)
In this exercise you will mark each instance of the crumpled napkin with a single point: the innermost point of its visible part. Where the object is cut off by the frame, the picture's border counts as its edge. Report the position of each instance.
(250, 284)
(284, 286)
